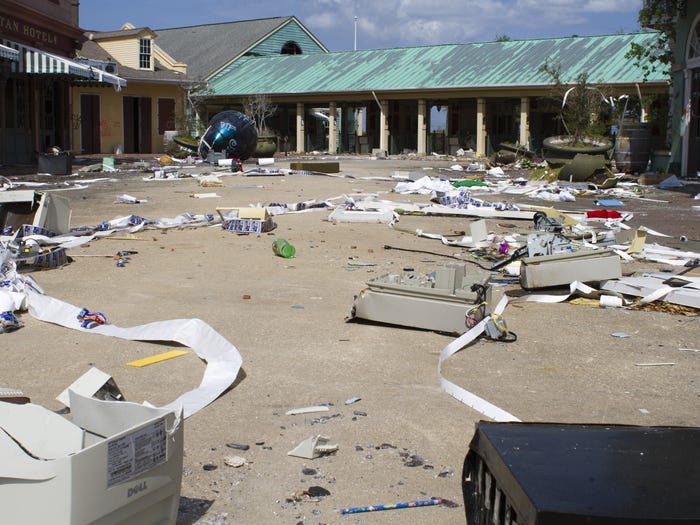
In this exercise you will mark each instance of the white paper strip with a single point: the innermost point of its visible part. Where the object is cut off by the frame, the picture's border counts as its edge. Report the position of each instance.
(459, 393)
(575, 287)
(307, 410)
(223, 359)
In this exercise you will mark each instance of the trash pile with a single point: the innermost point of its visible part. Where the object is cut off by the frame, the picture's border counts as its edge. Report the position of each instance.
(584, 251)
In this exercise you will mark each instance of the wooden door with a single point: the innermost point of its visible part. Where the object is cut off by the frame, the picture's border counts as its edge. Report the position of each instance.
(145, 126)
(90, 124)
(130, 119)
(166, 115)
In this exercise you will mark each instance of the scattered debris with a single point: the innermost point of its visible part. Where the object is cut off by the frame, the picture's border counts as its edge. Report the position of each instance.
(237, 446)
(282, 248)
(128, 199)
(307, 410)
(313, 447)
(146, 361)
(235, 461)
(246, 220)
(407, 505)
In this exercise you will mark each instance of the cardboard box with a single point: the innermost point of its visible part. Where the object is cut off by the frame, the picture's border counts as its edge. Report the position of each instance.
(246, 220)
(34, 212)
(115, 463)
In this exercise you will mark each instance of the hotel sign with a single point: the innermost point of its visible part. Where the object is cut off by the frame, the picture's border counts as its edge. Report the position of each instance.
(32, 34)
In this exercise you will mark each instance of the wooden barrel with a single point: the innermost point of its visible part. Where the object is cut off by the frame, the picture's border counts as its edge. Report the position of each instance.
(633, 147)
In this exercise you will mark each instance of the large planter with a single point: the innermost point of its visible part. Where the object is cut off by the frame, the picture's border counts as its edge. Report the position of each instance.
(561, 146)
(266, 146)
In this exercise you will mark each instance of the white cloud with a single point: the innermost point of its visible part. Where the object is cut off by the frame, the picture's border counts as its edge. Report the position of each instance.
(392, 23)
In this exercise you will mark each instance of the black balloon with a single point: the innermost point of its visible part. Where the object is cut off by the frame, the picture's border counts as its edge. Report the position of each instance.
(230, 132)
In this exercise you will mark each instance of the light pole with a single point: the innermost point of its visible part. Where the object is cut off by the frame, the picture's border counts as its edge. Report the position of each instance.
(355, 47)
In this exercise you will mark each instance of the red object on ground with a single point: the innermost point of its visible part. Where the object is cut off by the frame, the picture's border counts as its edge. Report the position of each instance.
(603, 214)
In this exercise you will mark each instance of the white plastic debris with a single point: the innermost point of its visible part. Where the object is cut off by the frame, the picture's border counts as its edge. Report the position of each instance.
(313, 447)
(128, 199)
(307, 410)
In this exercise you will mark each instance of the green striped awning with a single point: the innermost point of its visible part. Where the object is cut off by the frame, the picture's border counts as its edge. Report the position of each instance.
(9, 53)
(35, 61)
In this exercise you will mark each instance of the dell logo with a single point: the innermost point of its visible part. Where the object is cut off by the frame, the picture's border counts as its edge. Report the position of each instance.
(136, 489)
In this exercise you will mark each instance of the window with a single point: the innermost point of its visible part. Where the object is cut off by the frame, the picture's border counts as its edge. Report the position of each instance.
(145, 53)
(694, 42)
(291, 48)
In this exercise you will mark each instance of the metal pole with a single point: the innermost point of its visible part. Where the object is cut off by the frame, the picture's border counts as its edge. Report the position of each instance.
(355, 47)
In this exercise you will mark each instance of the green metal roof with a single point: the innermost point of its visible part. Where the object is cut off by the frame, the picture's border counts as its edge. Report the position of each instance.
(478, 65)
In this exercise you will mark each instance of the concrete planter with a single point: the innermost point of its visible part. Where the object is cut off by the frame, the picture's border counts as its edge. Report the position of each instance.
(266, 146)
(560, 146)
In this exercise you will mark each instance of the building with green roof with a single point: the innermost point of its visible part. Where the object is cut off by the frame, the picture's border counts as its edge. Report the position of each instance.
(492, 91)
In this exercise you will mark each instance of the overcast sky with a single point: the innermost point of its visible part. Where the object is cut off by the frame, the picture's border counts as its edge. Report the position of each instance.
(383, 23)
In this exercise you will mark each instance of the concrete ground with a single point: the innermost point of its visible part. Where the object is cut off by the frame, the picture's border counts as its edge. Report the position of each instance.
(298, 350)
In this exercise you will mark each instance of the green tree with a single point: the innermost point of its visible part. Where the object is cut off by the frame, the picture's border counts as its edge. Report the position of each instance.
(660, 15)
(503, 38)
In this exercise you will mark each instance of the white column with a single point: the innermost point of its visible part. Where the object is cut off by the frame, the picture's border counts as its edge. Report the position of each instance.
(332, 133)
(300, 127)
(360, 112)
(481, 126)
(525, 122)
(448, 127)
(384, 126)
(422, 129)
(685, 122)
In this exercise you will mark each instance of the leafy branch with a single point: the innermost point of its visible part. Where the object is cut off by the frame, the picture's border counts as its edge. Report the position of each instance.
(660, 15)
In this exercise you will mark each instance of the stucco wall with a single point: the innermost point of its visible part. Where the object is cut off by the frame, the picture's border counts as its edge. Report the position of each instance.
(111, 112)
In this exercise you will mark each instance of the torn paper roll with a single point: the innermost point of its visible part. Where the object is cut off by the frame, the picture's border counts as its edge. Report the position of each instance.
(223, 359)
(459, 393)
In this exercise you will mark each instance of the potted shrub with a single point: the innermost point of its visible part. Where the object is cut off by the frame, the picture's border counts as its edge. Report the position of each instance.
(259, 108)
(582, 108)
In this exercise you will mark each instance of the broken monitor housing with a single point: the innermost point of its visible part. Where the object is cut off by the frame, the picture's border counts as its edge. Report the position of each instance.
(553, 473)
(438, 301)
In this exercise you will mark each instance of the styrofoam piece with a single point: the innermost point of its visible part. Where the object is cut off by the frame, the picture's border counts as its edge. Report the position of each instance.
(225, 163)
(126, 470)
(478, 231)
(610, 301)
(313, 447)
(307, 410)
(93, 383)
(652, 288)
(266, 161)
(342, 215)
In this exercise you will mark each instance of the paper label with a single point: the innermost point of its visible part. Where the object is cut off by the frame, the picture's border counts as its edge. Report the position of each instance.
(136, 453)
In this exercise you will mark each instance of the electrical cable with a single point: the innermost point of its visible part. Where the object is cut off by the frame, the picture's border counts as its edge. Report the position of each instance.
(388, 247)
